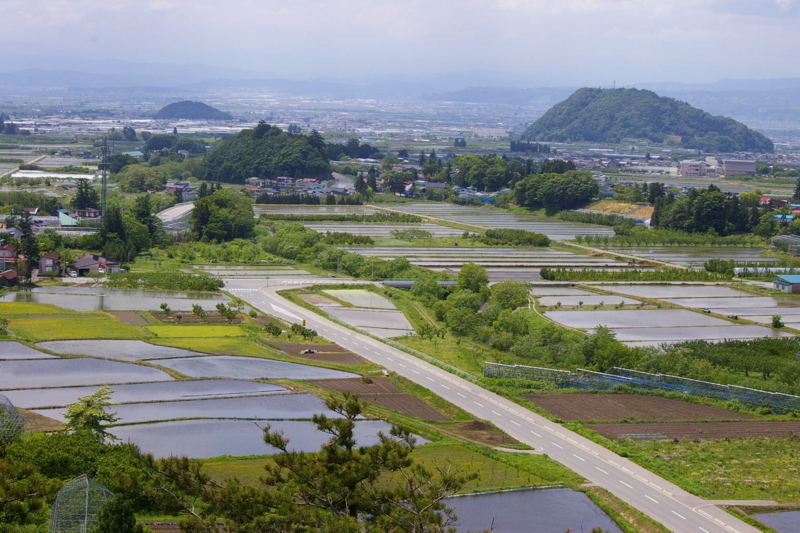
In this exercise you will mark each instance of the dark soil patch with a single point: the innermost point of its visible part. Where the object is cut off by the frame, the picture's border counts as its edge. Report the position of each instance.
(406, 404)
(131, 317)
(602, 407)
(483, 433)
(358, 386)
(263, 320)
(191, 318)
(339, 358)
(35, 422)
(698, 430)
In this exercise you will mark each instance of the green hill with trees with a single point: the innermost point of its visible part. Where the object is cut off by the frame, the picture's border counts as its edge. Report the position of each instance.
(611, 115)
(266, 152)
(191, 110)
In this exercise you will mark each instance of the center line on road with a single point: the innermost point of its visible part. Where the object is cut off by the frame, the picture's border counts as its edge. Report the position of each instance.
(676, 514)
(480, 404)
(498, 414)
(414, 371)
(461, 395)
(520, 425)
(557, 445)
(579, 457)
(630, 487)
(701, 529)
(429, 379)
(651, 499)
(445, 386)
(600, 469)
(390, 359)
(536, 434)
(401, 364)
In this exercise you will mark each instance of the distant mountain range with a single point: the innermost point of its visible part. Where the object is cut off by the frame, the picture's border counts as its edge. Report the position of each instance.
(192, 111)
(613, 115)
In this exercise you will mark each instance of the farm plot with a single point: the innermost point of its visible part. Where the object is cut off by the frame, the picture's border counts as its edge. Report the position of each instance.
(692, 256)
(593, 299)
(610, 407)
(383, 230)
(15, 350)
(362, 298)
(697, 430)
(491, 218)
(247, 368)
(379, 322)
(385, 394)
(500, 263)
(145, 392)
(253, 271)
(319, 300)
(677, 291)
(323, 353)
(121, 350)
(539, 290)
(71, 372)
(709, 333)
(278, 209)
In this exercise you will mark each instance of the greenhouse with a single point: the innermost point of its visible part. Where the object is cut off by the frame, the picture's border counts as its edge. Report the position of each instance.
(77, 506)
(10, 420)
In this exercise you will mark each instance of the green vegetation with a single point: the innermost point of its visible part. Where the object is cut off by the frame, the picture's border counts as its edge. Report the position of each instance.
(79, 326)
(660, 274)
(516, 237)
(556, 192)
(222, 216)
(266, 151)
(191, 110)
(196, 331)
(341, 238)
(601, 219)
(637, 236)
(91, 413)
(177, 281)
(604, 115)
(373, 218)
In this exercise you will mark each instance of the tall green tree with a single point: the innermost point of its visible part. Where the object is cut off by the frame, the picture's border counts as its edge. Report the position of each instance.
(473, 278)
(85, 196)
(91, 413)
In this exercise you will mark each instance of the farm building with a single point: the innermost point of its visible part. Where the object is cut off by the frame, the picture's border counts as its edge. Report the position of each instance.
(787, 283)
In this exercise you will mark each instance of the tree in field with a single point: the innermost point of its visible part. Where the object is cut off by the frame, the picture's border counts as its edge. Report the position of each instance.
(472, 278)
(335, 490)
(117, 516)
(85, 196)
(510, 294)
(90, 413)
(23, 496)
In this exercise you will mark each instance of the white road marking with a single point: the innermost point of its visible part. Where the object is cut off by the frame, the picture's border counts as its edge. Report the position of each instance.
(461, 395)
(401, 364)
(515, 423)
(579, 457)
(557, 445)
(285, 312)
(429, 379)
(701, 529)
(630, 487)
(651, 499)
(600, 469)
(445, 386)
(536, 434)
(414, 371)
(480, 404)
(676, 514)
(498, 414)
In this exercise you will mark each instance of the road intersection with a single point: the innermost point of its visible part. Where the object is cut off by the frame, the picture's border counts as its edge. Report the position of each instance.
(676, 509)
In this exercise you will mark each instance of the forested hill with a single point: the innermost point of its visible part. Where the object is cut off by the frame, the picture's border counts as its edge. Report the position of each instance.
(191, 110)
(267, 152)
(611, 115)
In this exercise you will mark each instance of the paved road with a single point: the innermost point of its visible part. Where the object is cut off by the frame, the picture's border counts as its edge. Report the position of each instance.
(176, 211)
(666, 503)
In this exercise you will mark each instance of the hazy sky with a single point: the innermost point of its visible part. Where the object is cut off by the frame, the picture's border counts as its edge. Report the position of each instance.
(556, 42)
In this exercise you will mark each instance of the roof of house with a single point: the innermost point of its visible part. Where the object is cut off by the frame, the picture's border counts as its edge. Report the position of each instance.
(49, 256)
(789, 278)
(8, 274)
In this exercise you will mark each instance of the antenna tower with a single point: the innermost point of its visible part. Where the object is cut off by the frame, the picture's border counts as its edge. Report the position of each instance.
(105, 153)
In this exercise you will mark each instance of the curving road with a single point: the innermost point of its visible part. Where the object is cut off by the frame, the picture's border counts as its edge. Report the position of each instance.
(666, 503)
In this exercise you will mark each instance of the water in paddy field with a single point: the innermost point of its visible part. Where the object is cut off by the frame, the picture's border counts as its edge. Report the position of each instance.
(227, 366)
(202, 439)
(98, 299)
(124, 350)
(15, 350)
(530, 511)
(788, 522)
(73, 372)
(145, 392)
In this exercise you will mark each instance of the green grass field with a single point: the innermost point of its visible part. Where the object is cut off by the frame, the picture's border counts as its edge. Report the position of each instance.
(196, 331)
(78, 327)
(14, 309)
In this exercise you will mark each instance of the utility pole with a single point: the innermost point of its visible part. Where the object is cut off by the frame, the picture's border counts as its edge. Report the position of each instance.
(105, 152)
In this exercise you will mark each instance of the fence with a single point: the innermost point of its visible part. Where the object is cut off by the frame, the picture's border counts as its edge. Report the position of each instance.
(589, 379)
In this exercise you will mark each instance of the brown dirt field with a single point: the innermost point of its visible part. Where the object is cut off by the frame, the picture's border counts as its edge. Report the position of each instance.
(293, 348)
(481, 432)
(602, 407)
(339, 358)
(262, 320)
(406, 404)
(35, 422)
(698, 430)
(318, 299)
(357, 386)
(131, 317)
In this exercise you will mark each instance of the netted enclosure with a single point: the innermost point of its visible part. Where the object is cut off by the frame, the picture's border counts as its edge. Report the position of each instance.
(10, 420)
(77, 505)
(533, 373)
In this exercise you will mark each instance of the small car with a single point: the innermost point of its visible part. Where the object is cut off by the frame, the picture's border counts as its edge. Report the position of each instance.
(308, 350)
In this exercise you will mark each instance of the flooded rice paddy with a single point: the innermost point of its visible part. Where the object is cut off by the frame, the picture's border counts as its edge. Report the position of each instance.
(144, 392)
(787, 522)
(383, 230)
(15, 350)
(362, 298)
(202, 439)
(117, 349)
(491, 218)
(645, 318)
(534, 511)
(71, 372)
(591, 299)
(696, 333)
(314, 209)
(280, 406)
(379, 322)
(693, 256)
(677, 291)
(558, 291)
(101, 299)
(227, 366)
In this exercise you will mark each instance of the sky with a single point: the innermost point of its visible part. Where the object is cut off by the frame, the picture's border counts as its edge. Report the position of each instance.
(521, 42)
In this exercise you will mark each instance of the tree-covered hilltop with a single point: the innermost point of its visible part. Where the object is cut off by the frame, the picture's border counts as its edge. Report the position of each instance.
(611, 115)
(266, 152)
(191, 110)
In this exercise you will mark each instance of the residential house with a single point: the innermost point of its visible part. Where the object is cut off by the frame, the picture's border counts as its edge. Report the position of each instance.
(87, 212)
(8, 257)
(787, 283)
(95, 264)
(8, 278)
(49, 263)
